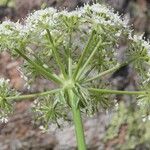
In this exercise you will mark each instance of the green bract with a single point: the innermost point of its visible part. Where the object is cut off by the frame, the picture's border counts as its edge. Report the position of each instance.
(5, 92)
(75, 50)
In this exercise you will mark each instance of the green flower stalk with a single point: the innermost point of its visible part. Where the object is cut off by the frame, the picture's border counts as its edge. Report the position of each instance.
(5, 92)
(75, 50)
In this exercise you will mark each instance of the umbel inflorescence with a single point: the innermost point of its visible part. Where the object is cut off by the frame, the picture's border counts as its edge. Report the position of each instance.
(74, 50)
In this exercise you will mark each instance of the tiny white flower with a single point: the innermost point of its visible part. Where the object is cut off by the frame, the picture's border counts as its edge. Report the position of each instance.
(99, 8)
(118, 34)
(4, 81)
(139, 39)
(4, 119)
(75, 13)
(144, 119)
(41, 127)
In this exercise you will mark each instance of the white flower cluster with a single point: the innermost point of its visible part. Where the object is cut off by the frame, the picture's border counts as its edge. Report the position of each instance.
(139, 39)
(4, 84)
(12, 34)
(5, 89)
(105, 15)
(3, 119)
(45, 18)
(82, 20)
(5, 92)
(50, 18)
(11, 29)
(8, 28)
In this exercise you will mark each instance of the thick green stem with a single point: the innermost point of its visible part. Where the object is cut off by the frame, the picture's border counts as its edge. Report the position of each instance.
(20, 97)
(107, 91)
(77, 121)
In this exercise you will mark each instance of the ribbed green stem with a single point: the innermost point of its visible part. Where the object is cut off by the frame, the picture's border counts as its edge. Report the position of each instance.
(86, 48)
(69, 66)
(107, 91)
(103, 73)
(40, 69)
(28, 96)
(110, 70)
(69, 56)
(56, 54)
(77, 121)
(88, 60)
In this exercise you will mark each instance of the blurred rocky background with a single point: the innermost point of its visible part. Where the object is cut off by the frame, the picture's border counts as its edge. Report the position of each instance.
(20, 132)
